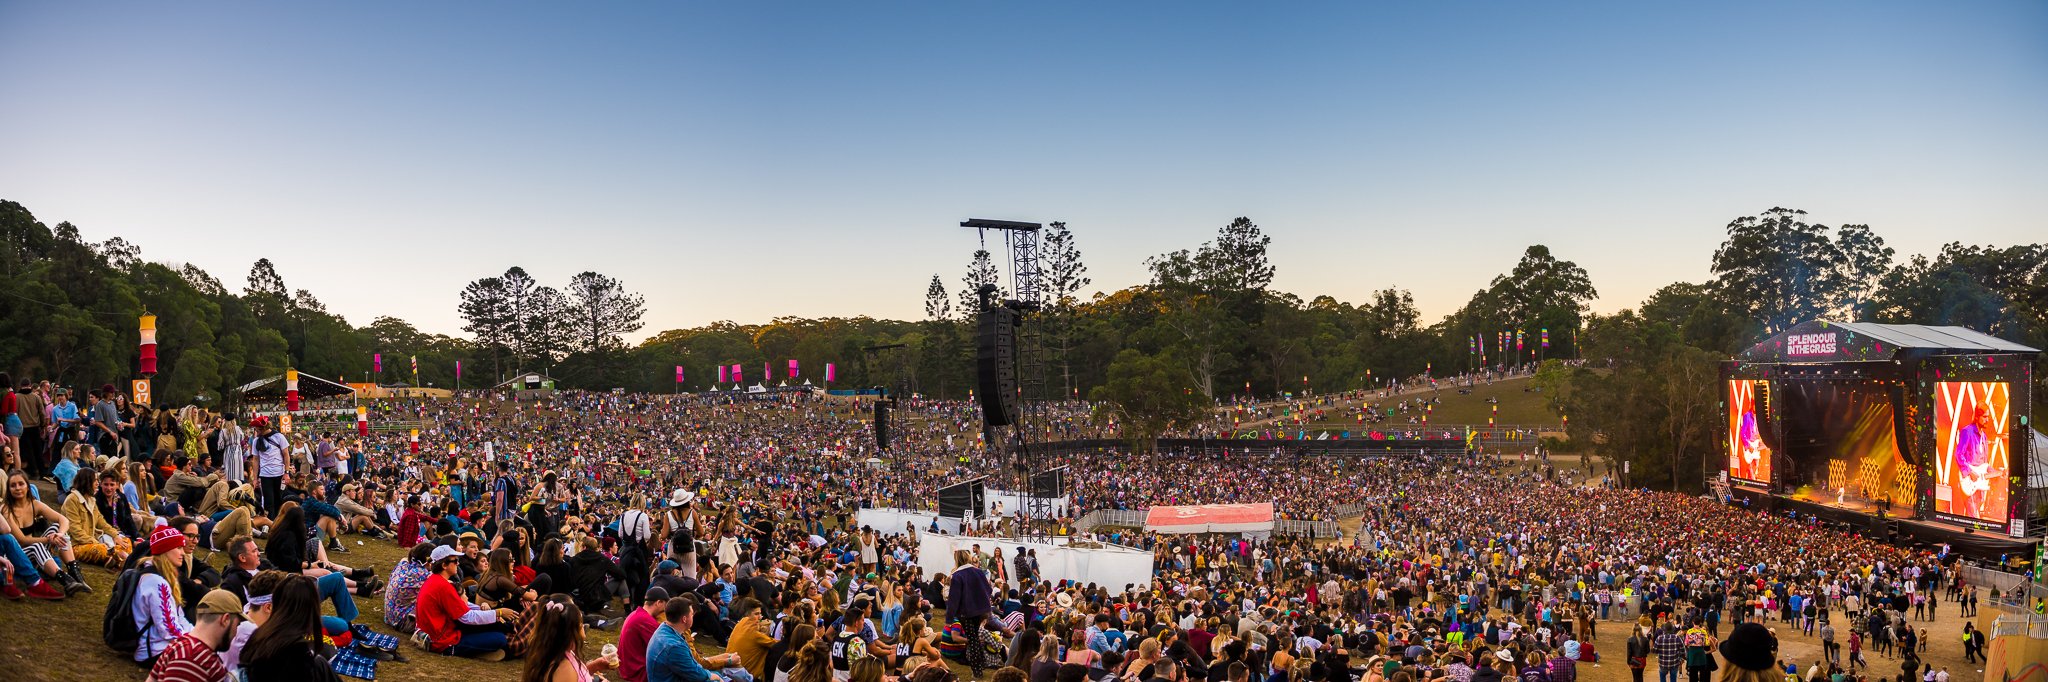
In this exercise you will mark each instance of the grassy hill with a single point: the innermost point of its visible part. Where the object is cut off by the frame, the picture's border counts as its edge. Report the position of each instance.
(1519, 402)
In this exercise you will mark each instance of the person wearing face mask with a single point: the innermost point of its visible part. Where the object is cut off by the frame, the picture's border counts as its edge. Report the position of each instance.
(195, 656)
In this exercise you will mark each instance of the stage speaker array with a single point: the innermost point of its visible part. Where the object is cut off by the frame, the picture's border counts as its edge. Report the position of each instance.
(995, 361)
(882, 423)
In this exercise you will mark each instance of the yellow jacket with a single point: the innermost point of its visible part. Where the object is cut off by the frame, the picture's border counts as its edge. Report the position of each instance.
(87, 524)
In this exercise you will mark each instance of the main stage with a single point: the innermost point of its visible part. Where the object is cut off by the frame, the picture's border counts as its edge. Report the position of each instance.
(1909, 433)
(1866, 520)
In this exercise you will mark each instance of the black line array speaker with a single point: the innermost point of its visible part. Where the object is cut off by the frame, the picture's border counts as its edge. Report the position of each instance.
(882, 423)
(995, 360)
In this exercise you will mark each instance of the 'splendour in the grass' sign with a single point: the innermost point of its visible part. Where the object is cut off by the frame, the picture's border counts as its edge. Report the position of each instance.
(1822, 343)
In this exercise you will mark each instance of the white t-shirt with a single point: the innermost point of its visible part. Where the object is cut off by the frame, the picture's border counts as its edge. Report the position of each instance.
(270, 455)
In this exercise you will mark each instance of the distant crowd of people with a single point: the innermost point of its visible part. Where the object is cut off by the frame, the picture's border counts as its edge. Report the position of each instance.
(727, 523)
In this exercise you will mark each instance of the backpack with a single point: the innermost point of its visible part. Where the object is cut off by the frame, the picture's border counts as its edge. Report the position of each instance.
(117, 625)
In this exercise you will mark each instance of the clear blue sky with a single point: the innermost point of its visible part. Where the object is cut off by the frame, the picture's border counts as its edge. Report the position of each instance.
(383, 154)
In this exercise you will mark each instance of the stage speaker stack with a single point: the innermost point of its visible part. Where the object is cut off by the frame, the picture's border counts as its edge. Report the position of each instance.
(882, 423)
(995, 356)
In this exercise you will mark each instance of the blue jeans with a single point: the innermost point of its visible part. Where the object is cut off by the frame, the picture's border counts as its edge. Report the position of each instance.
(1667, 673)
(478, 643)
(334, 587)
(25, 571)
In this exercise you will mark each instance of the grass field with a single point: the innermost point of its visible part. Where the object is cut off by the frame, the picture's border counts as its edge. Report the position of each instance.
(1519, 403)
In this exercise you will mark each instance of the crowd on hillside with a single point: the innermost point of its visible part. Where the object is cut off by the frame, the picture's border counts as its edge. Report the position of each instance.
(701, 523)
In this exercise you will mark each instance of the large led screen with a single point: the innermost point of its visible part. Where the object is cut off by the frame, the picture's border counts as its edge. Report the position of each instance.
(1748, 458)
(1972, 457)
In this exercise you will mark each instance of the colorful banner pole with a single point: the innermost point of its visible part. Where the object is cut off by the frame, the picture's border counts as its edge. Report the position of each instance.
(148, 363)
(291, 390)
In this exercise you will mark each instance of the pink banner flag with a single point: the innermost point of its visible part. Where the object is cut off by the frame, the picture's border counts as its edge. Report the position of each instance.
(736, 374)
(767, 373)
(721, 374)
(679, 374)
(458, 369)
(792, 369)
(830, 372)
(378, 361)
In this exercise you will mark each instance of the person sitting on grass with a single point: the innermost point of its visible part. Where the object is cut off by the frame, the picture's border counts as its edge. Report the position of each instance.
(448, 624)
(281, 649)
(23, 580)
(402, 594)
(43, 533)
(194, 657)
(556, 643)
(93, 537)
(158, 609)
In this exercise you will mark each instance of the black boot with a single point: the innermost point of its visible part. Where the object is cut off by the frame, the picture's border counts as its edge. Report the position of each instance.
(75, 575)
(72, 586)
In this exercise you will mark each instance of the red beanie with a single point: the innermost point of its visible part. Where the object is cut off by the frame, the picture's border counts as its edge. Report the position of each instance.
(164, 539)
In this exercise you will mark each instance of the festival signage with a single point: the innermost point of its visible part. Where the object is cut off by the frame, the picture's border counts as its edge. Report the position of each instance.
(1807, 345)
(1210, 518)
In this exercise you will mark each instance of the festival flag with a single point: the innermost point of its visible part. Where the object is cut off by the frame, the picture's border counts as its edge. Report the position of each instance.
(377, 362)
(362, 421)
(148, 351)
(766, 373)
(1518, 340)
(291, 390)
(736, 374)
(831, 373)
(679, 374)
(1546, 337)
(415, 369)
(458, 370)
(721, 374)
(792, 369)
(415, 441)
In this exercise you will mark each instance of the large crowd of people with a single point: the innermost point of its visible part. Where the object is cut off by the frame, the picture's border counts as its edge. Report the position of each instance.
(727, 522)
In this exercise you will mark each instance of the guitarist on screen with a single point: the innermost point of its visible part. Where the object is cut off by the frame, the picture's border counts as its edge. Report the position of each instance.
(1751, 444)
(1972, 455)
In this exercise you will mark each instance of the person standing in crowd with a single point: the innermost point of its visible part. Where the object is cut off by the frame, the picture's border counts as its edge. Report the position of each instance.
(969, 602)
(269, 447)
(1670, 648)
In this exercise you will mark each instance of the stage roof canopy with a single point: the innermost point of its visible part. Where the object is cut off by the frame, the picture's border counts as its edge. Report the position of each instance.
(1824, 341)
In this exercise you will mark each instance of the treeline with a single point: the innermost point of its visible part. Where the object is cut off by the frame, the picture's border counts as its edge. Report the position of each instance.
(1206, 326)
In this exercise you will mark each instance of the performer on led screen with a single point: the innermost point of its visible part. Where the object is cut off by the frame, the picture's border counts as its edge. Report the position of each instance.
(1972, 455)
(1752, 446)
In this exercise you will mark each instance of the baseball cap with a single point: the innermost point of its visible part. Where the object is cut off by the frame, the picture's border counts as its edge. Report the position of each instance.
(442, 553)
(655, 594)
(219, 601)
